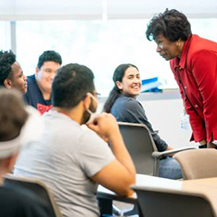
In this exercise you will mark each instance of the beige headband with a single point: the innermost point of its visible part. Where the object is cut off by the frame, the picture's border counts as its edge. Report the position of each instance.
(31, 131)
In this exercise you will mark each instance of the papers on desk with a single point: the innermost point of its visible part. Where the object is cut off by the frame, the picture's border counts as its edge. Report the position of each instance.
(157, 182)
(150, 181)
(105, 190)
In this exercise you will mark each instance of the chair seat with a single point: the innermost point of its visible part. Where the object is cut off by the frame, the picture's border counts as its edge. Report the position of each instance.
(198, 163)
(36, 187)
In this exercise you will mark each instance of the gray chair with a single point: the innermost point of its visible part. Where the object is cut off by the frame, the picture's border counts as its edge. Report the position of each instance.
(36, 187)
(198, 163)
(155, 202)
(142, 148)
(143, 151)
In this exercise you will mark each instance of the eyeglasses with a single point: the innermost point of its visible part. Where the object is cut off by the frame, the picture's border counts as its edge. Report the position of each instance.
(98, 95)
(160, 45)
(95, 98)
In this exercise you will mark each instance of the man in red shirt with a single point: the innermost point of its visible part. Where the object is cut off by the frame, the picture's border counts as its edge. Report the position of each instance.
(39, 84)
(193, 61)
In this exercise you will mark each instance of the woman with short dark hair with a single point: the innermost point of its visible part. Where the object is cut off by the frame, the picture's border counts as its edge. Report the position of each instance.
(193, 61)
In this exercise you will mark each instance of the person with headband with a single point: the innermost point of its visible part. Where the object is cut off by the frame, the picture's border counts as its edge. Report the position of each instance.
(123, 105)
(11, 73)
(14, 121)
(193, 61)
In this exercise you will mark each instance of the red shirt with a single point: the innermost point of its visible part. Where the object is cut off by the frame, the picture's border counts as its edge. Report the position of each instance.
(196, 75)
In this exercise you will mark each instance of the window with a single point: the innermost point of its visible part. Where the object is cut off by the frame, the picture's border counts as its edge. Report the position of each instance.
(100, 45)
(5, 42)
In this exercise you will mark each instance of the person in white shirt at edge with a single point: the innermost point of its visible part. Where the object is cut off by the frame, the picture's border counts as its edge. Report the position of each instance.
(72, 160)
(16, 122)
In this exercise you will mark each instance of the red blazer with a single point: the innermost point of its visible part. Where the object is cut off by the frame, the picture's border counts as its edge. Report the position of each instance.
(196, 75)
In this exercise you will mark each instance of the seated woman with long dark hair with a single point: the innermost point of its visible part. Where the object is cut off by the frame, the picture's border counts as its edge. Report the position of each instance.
(123, 105)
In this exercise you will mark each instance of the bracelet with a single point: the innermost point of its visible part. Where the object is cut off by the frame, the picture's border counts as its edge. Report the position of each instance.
(203, 146)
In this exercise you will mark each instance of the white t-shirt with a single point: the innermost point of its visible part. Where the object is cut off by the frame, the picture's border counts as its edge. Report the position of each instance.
(64, 158)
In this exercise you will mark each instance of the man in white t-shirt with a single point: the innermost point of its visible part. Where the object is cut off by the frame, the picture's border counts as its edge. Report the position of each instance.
(72, 160)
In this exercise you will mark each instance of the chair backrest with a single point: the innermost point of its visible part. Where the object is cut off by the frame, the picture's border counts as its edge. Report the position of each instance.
(140, 145)
(36, 187)
(155, 202)
(198, 163)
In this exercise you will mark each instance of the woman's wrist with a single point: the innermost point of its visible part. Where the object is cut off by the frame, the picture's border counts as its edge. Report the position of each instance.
(203, 146)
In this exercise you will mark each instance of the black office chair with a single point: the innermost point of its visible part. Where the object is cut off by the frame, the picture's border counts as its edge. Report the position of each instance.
(155, 202)
(142, 148)
(35, 187)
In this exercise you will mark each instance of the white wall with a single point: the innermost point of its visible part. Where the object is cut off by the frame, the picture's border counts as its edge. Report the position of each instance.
(165, 115)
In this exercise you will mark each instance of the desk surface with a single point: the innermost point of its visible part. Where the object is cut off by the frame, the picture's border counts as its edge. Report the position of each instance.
(207, 187)
(209, 182)
(151, 181)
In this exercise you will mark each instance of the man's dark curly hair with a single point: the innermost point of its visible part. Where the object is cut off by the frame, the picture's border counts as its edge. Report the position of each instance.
(7, 58)
(49, 55)
(172, 24)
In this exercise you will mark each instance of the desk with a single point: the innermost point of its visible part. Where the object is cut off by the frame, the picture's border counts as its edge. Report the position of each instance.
(208, 182)
(208, 187)
(106, 196)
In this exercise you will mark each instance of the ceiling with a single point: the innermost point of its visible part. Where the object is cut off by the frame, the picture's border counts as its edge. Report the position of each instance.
(101, 9)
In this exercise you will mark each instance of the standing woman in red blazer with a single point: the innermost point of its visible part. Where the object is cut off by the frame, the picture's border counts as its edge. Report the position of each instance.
(193, 61)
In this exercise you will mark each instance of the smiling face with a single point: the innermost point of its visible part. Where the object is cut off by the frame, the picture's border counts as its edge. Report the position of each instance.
(45, 75)
(18, 79)
(168, 49)
(131, 82)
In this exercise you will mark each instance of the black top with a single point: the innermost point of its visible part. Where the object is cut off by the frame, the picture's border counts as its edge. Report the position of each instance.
(34, 96)
(21, 204)
(128, 109)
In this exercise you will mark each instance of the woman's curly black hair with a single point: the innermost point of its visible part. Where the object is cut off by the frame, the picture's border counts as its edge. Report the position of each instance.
(7, 58)
(172, 24)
